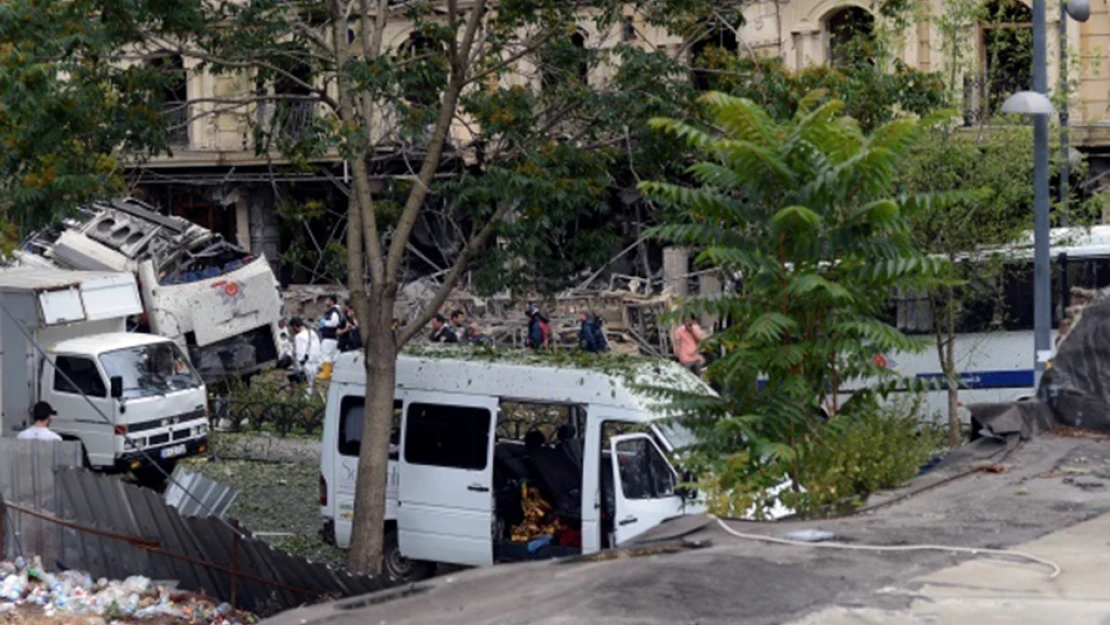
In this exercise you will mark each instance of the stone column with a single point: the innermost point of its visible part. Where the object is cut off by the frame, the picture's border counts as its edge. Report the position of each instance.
(242, 222)
(709, 284)
(263, 224)
(676, 264)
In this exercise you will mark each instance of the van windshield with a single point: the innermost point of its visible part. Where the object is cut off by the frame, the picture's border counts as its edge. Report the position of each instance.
(678, 435)
(149, 370)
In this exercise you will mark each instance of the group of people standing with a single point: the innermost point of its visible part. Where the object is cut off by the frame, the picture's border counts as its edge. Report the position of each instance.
(537, 335)
(457, 330)
(315, 349)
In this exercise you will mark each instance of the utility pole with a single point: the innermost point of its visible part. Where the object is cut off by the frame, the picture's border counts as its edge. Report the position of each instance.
(1065, 152)
(1042, 280)
(1037, 104)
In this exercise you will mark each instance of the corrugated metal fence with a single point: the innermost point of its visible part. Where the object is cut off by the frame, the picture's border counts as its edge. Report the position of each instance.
(201, 553)
(27, 479)
(88, 521)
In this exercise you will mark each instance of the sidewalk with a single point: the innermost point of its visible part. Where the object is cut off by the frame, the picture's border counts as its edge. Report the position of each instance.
(985, 591)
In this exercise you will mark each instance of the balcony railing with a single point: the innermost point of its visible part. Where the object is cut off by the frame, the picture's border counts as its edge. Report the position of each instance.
(984, 95)
(176, 116)
(286, 121)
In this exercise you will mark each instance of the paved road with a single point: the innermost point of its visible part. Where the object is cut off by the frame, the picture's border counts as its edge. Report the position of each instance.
(986, 591)
(1049, 484)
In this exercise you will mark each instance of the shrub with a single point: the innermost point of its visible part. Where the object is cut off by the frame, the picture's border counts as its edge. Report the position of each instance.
(862, 451)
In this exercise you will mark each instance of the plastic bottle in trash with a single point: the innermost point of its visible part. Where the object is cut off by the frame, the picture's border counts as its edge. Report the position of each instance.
(13, 586)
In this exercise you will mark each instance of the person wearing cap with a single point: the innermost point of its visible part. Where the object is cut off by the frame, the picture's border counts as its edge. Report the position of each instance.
(40, 429)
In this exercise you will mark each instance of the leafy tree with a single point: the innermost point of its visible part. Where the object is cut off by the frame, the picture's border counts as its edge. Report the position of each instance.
(500, 122)
(70, 119)
(805, 212)
(995, 170)
(873, 94)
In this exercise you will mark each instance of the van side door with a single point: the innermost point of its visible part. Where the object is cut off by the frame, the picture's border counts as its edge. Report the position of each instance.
(445, 499)
(644, 483)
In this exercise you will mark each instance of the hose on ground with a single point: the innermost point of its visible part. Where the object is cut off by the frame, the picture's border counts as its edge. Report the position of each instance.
(1056, 570)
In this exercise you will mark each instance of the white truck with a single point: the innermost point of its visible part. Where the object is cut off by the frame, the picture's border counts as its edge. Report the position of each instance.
(472, 435)
(217, 301)
(133, 400)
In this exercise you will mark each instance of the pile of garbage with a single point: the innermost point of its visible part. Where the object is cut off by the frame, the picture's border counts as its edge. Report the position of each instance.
(26, 584)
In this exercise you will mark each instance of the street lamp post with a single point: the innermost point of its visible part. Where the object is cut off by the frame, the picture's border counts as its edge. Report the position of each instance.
(1037, 104)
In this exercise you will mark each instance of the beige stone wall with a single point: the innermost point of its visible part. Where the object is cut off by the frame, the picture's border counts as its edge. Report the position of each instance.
(795, 29)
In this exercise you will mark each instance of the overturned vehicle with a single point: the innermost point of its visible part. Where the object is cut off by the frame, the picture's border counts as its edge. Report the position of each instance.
(212, 297)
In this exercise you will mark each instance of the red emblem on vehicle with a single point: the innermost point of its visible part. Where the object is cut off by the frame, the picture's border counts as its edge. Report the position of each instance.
(230, 290)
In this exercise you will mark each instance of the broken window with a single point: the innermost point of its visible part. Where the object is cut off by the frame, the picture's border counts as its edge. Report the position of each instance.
(716, 43)
(850, 32)
(288, 114)
(1005, 59)
(645, 473)
(565, 61)
(173, 95)
(425, 70)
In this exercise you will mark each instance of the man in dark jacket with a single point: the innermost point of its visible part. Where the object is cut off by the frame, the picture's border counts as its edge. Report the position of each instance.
(539, 332)
(591, 337)
(441, 332)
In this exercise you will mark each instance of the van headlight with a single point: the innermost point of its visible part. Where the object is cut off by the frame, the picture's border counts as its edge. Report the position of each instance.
(200, 430)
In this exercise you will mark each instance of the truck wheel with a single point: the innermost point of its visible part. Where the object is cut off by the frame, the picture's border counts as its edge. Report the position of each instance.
(398, 567)
(151, 477)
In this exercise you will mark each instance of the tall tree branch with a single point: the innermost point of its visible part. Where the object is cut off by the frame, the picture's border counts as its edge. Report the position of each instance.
(415, 201)
(475, 243)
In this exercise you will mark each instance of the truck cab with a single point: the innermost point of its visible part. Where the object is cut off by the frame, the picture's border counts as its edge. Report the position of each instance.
(133, 400)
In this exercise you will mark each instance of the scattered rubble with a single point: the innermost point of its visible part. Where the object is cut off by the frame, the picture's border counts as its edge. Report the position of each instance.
(29, 594)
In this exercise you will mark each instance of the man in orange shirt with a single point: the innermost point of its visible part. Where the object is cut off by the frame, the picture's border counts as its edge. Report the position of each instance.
(687, 339)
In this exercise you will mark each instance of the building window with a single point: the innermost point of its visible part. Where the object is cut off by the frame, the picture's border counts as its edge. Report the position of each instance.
(565, 61)
(850, 31)
(1005, 59)
(423, 80)
(716, 43)
(173, 96)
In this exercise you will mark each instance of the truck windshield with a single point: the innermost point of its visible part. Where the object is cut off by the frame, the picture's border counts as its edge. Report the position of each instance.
(150, 369)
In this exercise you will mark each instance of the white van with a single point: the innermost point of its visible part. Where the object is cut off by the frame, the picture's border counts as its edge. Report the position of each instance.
(471, 430)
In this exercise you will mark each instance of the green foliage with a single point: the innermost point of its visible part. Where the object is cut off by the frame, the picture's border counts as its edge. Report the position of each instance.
(805, 211)
(867, 449)
(66, 112)
(872, 94)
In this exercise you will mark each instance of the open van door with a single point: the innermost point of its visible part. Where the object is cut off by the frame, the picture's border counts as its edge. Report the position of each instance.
(445, 499)
(645, 486)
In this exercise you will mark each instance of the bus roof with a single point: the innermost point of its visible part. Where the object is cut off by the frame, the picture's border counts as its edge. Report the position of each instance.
(559, 377)
(1076, 241)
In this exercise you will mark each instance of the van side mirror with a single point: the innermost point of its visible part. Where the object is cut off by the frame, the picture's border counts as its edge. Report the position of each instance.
(687, 491)
(116, 383)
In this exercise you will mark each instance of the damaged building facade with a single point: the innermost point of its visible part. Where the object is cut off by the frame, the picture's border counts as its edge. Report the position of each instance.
(216, 178)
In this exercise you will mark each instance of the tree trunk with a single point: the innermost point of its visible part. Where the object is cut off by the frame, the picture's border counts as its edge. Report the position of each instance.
(365, 555)
(949, 368)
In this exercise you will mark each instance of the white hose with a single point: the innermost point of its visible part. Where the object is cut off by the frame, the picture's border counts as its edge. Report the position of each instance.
(1056, 570)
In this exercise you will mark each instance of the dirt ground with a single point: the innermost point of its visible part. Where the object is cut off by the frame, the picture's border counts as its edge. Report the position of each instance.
(1046, 484)
(278, 501)
(33, 615)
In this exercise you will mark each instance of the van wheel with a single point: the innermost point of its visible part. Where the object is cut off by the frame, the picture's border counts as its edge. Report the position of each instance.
(398, 567)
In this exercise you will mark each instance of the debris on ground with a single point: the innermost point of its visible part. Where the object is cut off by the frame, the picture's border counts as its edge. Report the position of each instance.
(30, 594)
